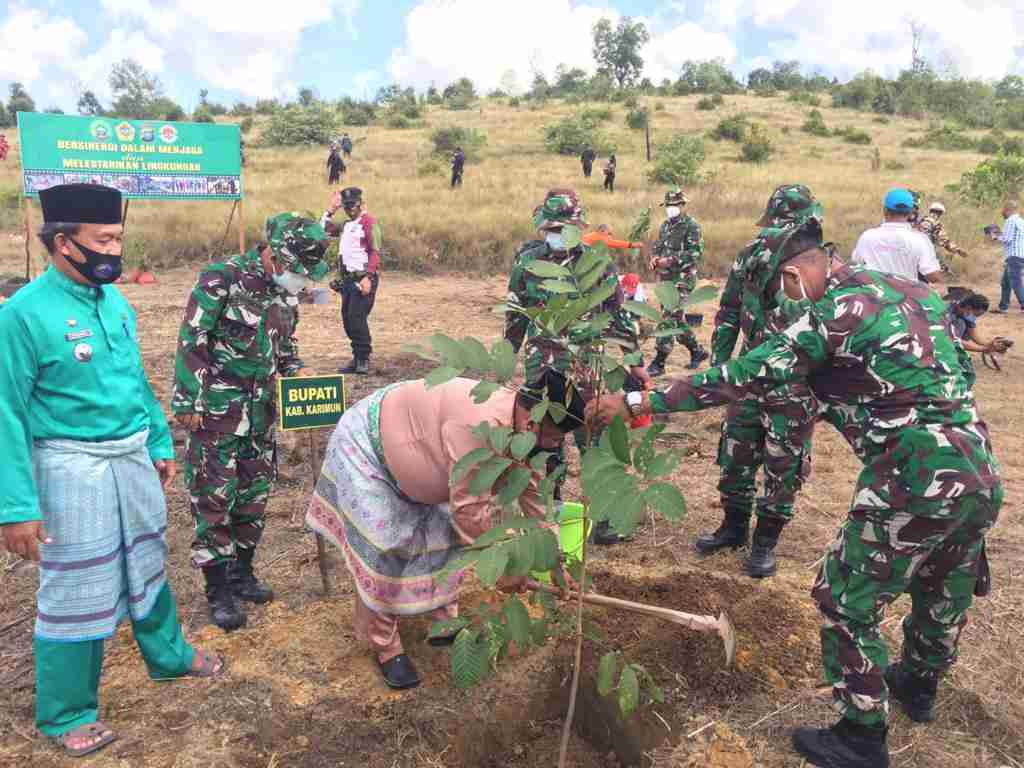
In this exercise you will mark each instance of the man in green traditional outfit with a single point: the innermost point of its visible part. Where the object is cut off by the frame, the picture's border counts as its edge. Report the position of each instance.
(87, 449)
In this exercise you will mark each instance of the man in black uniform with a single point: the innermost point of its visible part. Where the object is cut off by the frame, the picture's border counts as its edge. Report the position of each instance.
(587, 158)
(458, 163)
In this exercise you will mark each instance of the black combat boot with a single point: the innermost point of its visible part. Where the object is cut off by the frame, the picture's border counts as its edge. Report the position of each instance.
(350, 368)
(761, 562)
(731, 534)
(363, 366)
(915, 694)
(657, 366)
(845, 745)
(603, 535)
(224, 609)
(697, 356)
(243, 579)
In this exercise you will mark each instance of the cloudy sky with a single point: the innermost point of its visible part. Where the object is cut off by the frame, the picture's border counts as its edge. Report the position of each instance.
(245, 49)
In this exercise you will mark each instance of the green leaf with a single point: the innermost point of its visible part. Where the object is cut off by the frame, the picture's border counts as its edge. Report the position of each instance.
(629, 690)
(470, 658)
(661, 465)
(606, 672)
(547, 269)
(644, 453)
(482, 392)
(450, 350)
(596, 461)
(615, 379)
(591, 278)
(539, 411)
(517, 622)
(609, 481)
(521, 445)
(667, 295)
(633, 359)
(521, 557)
(421, 350)
(491, 565)
(570, 236)
(504, 358)
(589, 261)
(624, 515)
(558, 286)
(601, 295)
(448, 626)
(545, 549)
(666, 499)
(487, 475)
(643, 309)
(467, 462)
(441, 375)
(475, 354)
(702, 294)
(615, 499)
(499, 438)
(619, 436)
(482, 431)
(675, 330)
(516, 482)
(655, 693)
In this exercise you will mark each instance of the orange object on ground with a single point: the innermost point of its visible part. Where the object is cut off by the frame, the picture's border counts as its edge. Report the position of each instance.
(146, 278)
(603, 237)
(641, 422)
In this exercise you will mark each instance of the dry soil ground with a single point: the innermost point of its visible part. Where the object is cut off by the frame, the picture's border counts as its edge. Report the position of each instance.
(300, 692)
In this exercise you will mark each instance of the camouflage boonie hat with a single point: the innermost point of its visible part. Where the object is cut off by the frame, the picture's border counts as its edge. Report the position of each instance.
(790, 204)
(675, 196)
(560, 207)
(299, 244)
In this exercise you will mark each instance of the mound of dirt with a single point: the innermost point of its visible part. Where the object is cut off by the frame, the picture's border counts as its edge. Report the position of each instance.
(724, 748)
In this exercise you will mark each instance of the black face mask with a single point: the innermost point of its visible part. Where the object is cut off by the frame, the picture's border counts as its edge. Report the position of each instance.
(99, 268)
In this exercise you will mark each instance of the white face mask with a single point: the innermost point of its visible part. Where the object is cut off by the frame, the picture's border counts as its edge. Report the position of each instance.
(291, 282)
(673, 211)
(555, 241)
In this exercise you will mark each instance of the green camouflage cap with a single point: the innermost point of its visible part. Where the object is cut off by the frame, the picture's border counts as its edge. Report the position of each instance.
(790, 204)
(560, 207)
(675, 196)
(767, 253)
(299, 243)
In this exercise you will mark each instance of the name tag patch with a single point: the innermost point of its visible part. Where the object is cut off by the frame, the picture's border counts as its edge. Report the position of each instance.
(77, 335)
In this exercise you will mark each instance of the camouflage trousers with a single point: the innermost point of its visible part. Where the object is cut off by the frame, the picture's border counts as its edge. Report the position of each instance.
(676, 318)
(930, 550)
(228, 479)
(773, 431)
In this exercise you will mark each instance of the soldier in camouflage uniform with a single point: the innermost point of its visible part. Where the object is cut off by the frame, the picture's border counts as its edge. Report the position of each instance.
(677, 257)
(238, 334)
(932, 228)
(879, 355)
(766, 427)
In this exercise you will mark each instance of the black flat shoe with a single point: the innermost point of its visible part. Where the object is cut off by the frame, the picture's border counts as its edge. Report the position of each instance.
(399, 673)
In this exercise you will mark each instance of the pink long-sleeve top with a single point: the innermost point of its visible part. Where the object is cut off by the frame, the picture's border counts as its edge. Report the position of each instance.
(425, 431)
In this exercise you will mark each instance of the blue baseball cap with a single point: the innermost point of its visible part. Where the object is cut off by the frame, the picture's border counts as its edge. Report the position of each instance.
(899, 200)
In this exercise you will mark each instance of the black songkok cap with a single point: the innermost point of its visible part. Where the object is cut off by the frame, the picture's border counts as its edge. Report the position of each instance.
(351, 195)
(81, 204)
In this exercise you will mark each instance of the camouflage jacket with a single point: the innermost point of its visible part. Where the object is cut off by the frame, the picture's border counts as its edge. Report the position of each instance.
(679, 239)
(525, 290)
(879, 354)
(237, 335)
(931, 227)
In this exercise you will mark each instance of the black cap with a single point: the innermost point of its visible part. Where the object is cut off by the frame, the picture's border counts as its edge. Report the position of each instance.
(351, 195)
(81, 204)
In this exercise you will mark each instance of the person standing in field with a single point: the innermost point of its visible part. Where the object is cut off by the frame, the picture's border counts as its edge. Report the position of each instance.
(587, 157)
(335, 166)
(1012, 238)
(896, 248)
(878, 354)
(236, 338)
(769, 428)
(87, 458)
(609, 173)
(5, 148)
(346, 145)
(678, 252)
(358, 272)
(931, 227)
(458, 164)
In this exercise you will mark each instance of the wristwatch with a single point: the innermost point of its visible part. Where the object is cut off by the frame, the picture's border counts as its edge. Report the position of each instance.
(634, 401)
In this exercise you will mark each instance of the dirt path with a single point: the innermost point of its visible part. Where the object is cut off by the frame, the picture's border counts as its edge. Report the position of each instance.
(302, 693)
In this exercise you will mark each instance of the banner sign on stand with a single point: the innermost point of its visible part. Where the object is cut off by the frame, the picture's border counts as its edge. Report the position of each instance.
(309, 402)
(148, 159)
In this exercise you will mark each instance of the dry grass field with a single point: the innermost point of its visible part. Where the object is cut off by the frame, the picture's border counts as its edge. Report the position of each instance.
(300, 692)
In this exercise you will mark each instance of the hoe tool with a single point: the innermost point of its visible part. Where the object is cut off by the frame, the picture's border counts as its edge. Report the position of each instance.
(722, 625)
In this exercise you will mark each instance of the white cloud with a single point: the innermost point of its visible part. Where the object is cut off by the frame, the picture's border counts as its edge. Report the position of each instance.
(32, 41)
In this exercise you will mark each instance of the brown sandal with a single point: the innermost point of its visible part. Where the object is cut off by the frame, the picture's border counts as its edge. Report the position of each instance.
(211, 665)
(90, 730)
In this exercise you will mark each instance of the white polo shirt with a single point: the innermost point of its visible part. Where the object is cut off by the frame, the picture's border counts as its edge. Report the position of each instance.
(897, 249)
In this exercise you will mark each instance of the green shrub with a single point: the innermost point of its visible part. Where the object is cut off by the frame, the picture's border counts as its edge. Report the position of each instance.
(815, 124)
(398, 120)
(246, 125)
(802, 97)
(882, 119)
(472, 141)
(785, 130)
(678, 161)
(637, 118)
(732, 128)
(757, 147)
(299, 125)
(358, 114)
(1013, 146)
(459, 102)
(630, 101)
(855, 136)
(595, 116)
(514, 102)
(994, 180)
(571, 135)
(989, 145)
(202, 116)
(659, 106)
(946, 138)
(708, 103)
(895, 165)
(430, 167)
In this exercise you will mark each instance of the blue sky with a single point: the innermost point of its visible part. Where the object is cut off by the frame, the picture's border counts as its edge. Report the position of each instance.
(244, 49)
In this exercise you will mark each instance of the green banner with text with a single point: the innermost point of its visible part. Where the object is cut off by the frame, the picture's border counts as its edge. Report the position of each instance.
(308, 402)
(142, 158)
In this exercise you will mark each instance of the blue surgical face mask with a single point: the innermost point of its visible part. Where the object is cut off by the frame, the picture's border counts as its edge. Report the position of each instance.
(555, 241)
